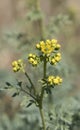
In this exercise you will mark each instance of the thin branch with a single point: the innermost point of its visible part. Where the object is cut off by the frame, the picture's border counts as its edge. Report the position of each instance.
(28, 93)
(32, 85)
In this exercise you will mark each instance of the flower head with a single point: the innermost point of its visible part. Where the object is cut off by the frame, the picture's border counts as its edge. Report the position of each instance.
(33, 59)
(18, 65)
(56, 58)
(48, 46)
(54, 80)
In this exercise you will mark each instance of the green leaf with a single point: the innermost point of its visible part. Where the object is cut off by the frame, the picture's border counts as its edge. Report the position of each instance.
(6, 87)
(15, 94)
(29, 104)
(19, 83)
(8, 84)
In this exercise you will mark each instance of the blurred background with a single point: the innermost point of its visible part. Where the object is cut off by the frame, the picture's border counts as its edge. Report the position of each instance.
(23, 23)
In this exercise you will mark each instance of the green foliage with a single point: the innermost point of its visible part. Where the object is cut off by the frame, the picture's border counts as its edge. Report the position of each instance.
(34, 16)
(57, 24)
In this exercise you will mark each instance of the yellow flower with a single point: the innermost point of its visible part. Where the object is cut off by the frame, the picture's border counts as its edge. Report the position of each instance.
(33, 59)
(30, 55)
(57, 80)
(14, 63)
(35, 62)
(42, 43)
(20, 61)
(53, 61)
(50, 80)
(15, 69)
(60, 80)
(48, 41)
(54, 41)
(57, 46)
(54, 80)
(38, 46)
(48, 46)
(57, 58)
(18, 65)
(58, 54)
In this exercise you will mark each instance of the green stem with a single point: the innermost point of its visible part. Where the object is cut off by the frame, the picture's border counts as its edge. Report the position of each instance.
(44, 67)
(37, 5)
(42, 118)
(41, 96)
(40, 21)
(32, 85)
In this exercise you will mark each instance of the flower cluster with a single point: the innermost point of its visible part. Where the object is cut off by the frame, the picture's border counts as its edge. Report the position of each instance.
(54, 80)
(48, 51)
(18, 65)
(33, 59)
(48, 47)
(56, 58)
